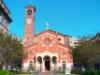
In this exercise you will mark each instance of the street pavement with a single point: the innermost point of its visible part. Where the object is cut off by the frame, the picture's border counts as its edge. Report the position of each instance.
(47, 73)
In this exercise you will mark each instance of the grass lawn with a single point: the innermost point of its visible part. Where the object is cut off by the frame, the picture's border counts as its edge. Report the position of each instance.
(27, 74)
(57, 74)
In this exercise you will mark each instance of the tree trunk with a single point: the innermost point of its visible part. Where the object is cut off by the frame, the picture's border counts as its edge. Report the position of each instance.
(1, 64)
(6, 66)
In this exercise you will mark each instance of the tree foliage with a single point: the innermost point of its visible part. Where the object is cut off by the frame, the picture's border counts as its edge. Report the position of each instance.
(11, 51)
(87, 54)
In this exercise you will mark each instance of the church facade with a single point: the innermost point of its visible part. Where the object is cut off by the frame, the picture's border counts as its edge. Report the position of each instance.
(47, 50)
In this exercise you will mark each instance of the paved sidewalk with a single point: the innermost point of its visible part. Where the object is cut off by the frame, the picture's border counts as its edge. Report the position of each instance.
(47, 73)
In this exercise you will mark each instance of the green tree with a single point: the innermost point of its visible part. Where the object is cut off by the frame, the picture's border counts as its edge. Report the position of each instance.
(1, 48)
(11, 51)
(87, 54)
(17, 53)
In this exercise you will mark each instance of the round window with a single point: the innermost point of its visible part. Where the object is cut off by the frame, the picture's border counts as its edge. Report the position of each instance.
(59, 39)
(47, 41)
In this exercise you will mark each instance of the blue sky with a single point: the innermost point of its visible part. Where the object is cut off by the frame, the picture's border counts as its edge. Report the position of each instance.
(72, 17)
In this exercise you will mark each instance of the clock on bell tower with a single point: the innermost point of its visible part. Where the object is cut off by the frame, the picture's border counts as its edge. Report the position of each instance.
(29, 24)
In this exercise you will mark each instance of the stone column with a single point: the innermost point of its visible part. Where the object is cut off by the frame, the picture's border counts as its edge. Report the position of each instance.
(51, 65)
(43, 67)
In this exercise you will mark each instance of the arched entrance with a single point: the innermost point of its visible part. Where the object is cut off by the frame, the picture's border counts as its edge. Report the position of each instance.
(40, 61)
(47, 63)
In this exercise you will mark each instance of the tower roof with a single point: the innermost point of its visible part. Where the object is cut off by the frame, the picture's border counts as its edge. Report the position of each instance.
(31, 6)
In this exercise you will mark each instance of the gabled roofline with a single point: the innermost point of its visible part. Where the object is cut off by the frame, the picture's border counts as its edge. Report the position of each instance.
(50, 31)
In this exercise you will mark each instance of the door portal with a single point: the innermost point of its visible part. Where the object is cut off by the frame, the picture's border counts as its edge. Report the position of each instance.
(47, 63)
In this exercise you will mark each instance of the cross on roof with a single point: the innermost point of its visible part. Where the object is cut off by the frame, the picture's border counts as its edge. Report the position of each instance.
(47, 25)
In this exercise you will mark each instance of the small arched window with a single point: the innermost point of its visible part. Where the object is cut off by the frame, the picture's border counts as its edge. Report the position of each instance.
(28, 38)
(31, 62)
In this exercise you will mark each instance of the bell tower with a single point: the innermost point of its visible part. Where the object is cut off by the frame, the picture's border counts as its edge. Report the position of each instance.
(29, 24)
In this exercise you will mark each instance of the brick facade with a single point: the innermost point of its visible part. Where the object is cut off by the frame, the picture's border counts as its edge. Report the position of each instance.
(44, 46)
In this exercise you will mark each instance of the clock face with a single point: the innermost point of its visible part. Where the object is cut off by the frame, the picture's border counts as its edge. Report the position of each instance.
(29, 12)
(29, 21)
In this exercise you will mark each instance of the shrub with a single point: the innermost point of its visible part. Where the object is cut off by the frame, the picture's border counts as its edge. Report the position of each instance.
(76, 71)
(89, 72)
(5, 72)
(98, 72)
